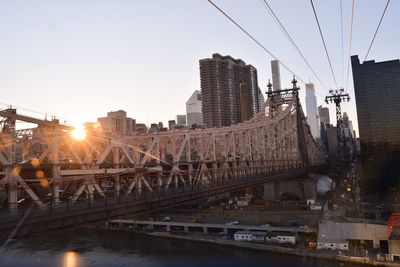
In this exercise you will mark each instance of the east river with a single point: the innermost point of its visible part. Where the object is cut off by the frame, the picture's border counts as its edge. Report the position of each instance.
(90, 247)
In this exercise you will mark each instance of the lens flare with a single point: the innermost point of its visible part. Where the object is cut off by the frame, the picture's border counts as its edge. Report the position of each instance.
(78, 133)
(35, 162)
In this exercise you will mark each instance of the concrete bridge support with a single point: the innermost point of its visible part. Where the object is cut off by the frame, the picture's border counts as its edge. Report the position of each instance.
(301, 189)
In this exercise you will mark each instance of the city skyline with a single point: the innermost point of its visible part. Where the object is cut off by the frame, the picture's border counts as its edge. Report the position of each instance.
(107, 63)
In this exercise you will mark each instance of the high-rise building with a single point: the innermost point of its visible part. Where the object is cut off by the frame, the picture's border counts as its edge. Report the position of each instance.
(221, 78)
(377, 92)
(194, 115)
(181, 120)
(323, 113)
(276, 75)
(171, 124)
(261, 99)
(311, 107)
(117, 123)
(331, 135)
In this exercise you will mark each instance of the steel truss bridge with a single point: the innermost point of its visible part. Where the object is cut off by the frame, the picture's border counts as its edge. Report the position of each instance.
(48, 179)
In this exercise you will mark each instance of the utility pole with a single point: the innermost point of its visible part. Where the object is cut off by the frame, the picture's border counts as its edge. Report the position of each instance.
(337, 96)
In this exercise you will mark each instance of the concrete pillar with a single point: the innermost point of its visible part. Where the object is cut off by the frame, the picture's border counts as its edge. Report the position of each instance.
(168, 227)
(186, 228)
(159, 180)
(310, 189)
(225, 231)
(90, 191)
(269, 191)
(139, 185)
(214, 171)
(190, 173)
(117, 185)
(55, 189)
(205, 230)
(176, 179)
(12, 197)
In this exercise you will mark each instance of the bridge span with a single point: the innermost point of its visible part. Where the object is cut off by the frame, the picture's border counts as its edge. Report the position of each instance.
(48, 179)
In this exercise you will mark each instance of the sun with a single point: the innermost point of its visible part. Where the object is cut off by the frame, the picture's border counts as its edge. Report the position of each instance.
(78, 133)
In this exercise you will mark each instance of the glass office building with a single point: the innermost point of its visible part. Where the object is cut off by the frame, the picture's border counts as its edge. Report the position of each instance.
(377, 93)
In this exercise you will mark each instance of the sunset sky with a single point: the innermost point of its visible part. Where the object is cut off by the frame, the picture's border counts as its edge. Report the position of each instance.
(78, 60)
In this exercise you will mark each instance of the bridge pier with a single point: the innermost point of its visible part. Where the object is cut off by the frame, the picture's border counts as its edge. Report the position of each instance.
(117, 185)
(12, 197)
(304, 189)
(139, 185)
(55, 191)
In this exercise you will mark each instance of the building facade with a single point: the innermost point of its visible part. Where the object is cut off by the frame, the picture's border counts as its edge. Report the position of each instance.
(194, 115)
(323, 113)
(311, 107)
(117, 123)
(276, 75)
(181, 120)
(377, 92)
(221, 78)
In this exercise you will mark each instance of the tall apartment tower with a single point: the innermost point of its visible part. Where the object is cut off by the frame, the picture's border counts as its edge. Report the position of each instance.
(193, 110)
(311, 107)
(276, 75)
(229, 91)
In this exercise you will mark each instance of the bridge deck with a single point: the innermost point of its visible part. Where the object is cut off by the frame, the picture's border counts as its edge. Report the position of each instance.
(42, 219)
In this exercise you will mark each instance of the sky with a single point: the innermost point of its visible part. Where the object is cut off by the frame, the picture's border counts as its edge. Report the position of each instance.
(77, 60)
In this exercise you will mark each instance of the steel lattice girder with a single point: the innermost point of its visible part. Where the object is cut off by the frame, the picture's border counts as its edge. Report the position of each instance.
(147, 161)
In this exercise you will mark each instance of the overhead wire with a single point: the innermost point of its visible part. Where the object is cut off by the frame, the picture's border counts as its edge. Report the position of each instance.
(323, 41)
(255, 40)
(341, 31)
(377, 28)
(283, 29)
(350, 43)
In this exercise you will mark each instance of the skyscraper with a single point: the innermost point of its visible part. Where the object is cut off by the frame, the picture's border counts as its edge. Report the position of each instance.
(261, 99)
(181, 120)
(311, 107)
(323, 113)
(193, 110)
(221, 79)
(377, 91)
(276, 75)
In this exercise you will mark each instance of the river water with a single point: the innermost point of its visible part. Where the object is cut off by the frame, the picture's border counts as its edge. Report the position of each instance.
(91, 247)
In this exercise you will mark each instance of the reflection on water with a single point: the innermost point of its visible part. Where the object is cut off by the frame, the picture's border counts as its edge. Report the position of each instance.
(70, 259)
(89, 247)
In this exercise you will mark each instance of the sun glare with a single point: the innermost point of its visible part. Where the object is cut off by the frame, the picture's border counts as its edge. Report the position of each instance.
(78, 133)
(70, 259)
